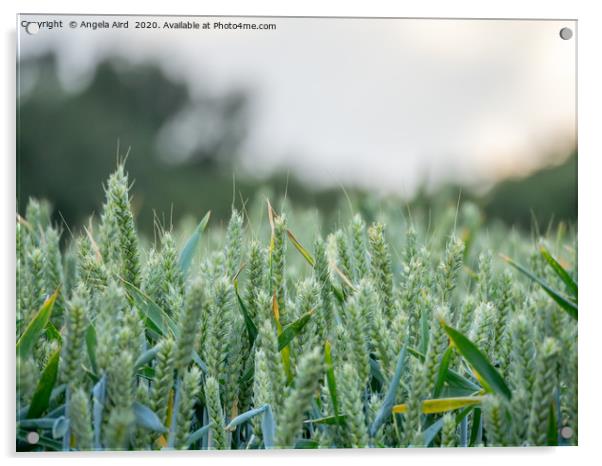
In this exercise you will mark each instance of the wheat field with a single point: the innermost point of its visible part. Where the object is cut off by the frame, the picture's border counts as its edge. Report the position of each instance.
(391, 329)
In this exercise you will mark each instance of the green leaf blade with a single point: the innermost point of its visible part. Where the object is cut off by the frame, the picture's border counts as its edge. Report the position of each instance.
(190, 247)
(147, 418)
(569, 306)
(249, 324)
(330, 379)
(442, 405)
(299, 247)
(244, 417)
(35, 328)
(561, 272)
(387, 405)
(155, 318)
(327, 420)
(41, 398)
(293, 329)
(478, 362)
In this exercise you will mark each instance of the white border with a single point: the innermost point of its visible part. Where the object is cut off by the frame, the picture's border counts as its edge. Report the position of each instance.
(590, 198)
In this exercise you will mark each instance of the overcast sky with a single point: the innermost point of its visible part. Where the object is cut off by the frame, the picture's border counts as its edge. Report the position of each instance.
(379, 103)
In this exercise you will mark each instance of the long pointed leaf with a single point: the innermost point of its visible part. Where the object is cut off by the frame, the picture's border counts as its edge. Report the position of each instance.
(385, 410)
(560, 271)
(199, 362)
(375, 371)
(299, 247)
(60, 427)
(458, 382)
(453, 378)
(91, 347)
(147, 357)
(429, 434)
(147, 418)
(552, 433)
(41, 397)
(191, 245)
(285, 352)
(44, 423)
(244, 417)
(52, 333)
(443, 372)
(478, 361)
(198, 434)
(306, 444)
(477, 420)
(441, 405)
(161, 322)
(330, 379)
(268, 428)
(291, 330)
(569, 306)
(328, 420)
(251, 327)
(98, 401)
(35, 328)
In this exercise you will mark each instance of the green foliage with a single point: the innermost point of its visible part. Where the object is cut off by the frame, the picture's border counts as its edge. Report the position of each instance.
(40, 399)
(227, 340)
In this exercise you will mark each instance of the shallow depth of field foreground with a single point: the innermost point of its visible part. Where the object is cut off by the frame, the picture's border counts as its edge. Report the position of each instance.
(401, 328)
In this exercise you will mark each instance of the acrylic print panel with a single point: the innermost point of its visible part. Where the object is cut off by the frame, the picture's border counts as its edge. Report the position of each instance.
(257, 233)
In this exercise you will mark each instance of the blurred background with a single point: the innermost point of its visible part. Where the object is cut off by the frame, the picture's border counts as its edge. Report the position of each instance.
(415, 110)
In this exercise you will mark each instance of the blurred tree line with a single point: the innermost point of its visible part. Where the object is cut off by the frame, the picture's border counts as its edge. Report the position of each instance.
(547, 196)
(67, 146)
